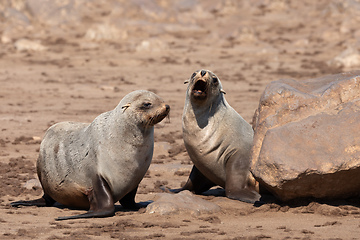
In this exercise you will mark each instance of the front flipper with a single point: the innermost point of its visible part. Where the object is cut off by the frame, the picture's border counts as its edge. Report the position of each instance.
(100, 199)
(128, 201)
(44, 201)
(236, 185)
(196, 183)
(245, 195)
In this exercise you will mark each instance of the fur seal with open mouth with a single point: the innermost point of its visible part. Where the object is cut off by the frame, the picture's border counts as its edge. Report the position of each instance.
(94, 165)
(217, 139)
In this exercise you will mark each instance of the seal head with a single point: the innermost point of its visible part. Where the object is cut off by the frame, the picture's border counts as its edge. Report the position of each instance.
(204, 86)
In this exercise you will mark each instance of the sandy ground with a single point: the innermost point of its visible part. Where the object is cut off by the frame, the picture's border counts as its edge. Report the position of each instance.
(83, 57)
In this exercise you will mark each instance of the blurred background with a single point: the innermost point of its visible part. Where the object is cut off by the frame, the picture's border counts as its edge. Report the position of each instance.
(324, 33)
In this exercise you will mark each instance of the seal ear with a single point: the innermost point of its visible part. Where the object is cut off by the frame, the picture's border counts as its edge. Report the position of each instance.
(222, 91)
(125, 107)
(187, 81)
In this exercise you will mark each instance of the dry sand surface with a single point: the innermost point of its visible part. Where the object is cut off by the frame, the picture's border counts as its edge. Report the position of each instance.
(72, 60)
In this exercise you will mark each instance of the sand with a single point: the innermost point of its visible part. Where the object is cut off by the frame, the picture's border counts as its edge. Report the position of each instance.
(75, 61)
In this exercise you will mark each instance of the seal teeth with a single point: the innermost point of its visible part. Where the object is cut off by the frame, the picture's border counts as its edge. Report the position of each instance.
(200, 86)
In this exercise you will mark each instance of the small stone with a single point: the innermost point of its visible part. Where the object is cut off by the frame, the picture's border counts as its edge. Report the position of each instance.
(169, 203)
(105, 32)
(32, 184)
(28, 45)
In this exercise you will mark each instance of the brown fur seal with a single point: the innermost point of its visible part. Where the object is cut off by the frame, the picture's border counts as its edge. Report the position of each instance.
(94, 165)
(217, 139)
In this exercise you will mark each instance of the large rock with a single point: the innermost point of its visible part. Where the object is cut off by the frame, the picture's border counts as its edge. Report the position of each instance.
(307, 137)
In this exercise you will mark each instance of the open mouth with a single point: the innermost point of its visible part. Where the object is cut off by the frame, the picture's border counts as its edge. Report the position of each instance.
(199, 89)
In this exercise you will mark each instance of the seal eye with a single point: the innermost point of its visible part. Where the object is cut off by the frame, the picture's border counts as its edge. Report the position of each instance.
(193, 75)
(146, 105)
(215, 80)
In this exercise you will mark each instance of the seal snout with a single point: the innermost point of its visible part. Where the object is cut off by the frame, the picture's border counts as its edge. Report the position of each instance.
(159, 114)
(165, 111)
(167, 107)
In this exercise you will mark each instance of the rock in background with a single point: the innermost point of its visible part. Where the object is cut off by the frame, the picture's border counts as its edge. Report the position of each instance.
(307, 141)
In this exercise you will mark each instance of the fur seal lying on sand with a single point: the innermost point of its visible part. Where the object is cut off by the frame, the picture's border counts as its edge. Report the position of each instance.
(217, 139)
(94, 165)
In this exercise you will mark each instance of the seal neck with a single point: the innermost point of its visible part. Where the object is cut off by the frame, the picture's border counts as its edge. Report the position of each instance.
(208, 111)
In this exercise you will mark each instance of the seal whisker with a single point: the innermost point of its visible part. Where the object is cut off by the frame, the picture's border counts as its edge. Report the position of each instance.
(168, 118)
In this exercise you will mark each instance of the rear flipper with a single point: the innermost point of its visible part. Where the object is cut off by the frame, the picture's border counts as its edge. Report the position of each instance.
(128, 201)
(100, 199)
(89, 214)
(44, 201)
(196, 183)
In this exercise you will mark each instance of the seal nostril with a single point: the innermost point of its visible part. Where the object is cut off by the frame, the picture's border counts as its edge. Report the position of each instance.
(203, 72)
(167, 107)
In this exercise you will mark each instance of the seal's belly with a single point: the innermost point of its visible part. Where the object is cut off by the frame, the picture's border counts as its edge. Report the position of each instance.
(70, 195)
